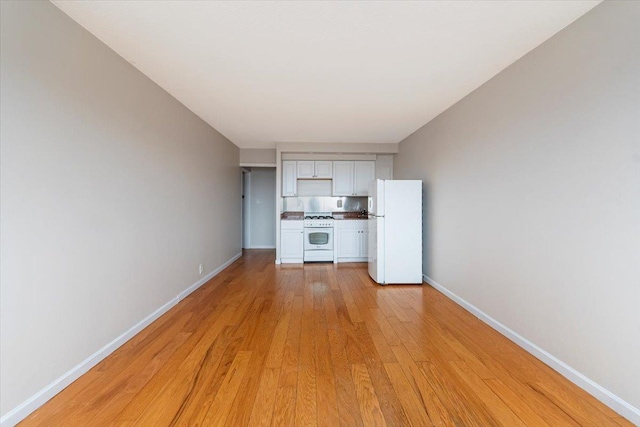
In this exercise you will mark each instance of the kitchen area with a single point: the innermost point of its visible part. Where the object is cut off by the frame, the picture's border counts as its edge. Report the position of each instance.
(325, 212)
(338, 203)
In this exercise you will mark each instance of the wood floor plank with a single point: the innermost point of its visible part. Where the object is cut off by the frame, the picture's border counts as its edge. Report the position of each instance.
(306, 397)
(327, 405)
(215, 366)
(622, 421)
(377, 337)
(346, 398)
(461, 404)
(436, 411)
(581, 411)
(385, 327)
(262, 412)
(219, 409)
(500, 411)
(319, 344)
(520, 407)
(186, 361)
(352, 308)
(367, 399)
(389, 400)
(284, 412)
(276, 350)
(415, 410)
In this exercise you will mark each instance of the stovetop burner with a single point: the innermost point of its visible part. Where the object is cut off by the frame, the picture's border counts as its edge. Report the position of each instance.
(318, 215)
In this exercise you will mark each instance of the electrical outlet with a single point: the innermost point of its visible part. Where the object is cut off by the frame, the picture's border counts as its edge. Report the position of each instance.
(200, 269)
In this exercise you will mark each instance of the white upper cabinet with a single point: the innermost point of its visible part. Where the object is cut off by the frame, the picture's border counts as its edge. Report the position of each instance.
(343, 178)
(289, 178)
(364, 173)
(306, 169)
(314, 169)
(324, 169)
(351, 178)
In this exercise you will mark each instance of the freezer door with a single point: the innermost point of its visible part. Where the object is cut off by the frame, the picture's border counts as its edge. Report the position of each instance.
(376, 249)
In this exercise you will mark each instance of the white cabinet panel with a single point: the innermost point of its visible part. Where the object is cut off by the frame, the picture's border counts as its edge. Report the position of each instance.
(343, 178)
(348, 243)
(351, 178)
(306, 169)
(289, 178)
(315, 169)
(364, 241)
(324, 169)
(291, 241)
(352, 240)
(364, 174)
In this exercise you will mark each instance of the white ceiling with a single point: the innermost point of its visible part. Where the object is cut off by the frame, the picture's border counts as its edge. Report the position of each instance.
(328, 71)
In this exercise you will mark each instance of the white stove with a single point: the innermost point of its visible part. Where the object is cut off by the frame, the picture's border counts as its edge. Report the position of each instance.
(318, 237)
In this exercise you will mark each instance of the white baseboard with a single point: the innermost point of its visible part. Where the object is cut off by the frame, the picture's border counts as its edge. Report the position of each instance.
(355, 259)
(21, 411)
(182, 295)
(261, 247)
(619, 405)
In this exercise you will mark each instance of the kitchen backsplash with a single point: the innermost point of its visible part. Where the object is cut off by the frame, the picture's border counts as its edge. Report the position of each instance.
(324, 204)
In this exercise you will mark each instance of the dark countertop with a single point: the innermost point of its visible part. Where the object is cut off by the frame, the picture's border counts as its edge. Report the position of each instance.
(341, 216)
(291, 216)
(349, 216)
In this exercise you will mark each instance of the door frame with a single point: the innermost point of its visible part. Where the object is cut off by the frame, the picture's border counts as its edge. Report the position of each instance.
(246, 209)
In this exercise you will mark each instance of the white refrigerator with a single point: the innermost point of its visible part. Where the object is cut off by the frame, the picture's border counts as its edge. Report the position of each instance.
(395, 231)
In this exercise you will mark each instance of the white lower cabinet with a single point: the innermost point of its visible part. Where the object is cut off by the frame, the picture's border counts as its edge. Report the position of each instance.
(291, 242)
(352, 240)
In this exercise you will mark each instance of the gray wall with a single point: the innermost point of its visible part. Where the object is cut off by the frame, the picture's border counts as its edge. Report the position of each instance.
(258, 156)
(532, 196)
(263, 208)
(111, 197)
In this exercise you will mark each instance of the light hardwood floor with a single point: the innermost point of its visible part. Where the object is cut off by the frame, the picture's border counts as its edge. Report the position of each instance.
(322, 344)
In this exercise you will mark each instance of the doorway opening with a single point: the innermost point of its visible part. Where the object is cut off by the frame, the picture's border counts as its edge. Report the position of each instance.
(258, 208)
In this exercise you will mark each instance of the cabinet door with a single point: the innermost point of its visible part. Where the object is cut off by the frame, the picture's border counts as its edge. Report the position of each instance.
(348, 243)
(364, 173)
(343, 178)
(291, 244)
(289, 179)
(306, 169)
(324, 169)
(364, 241)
